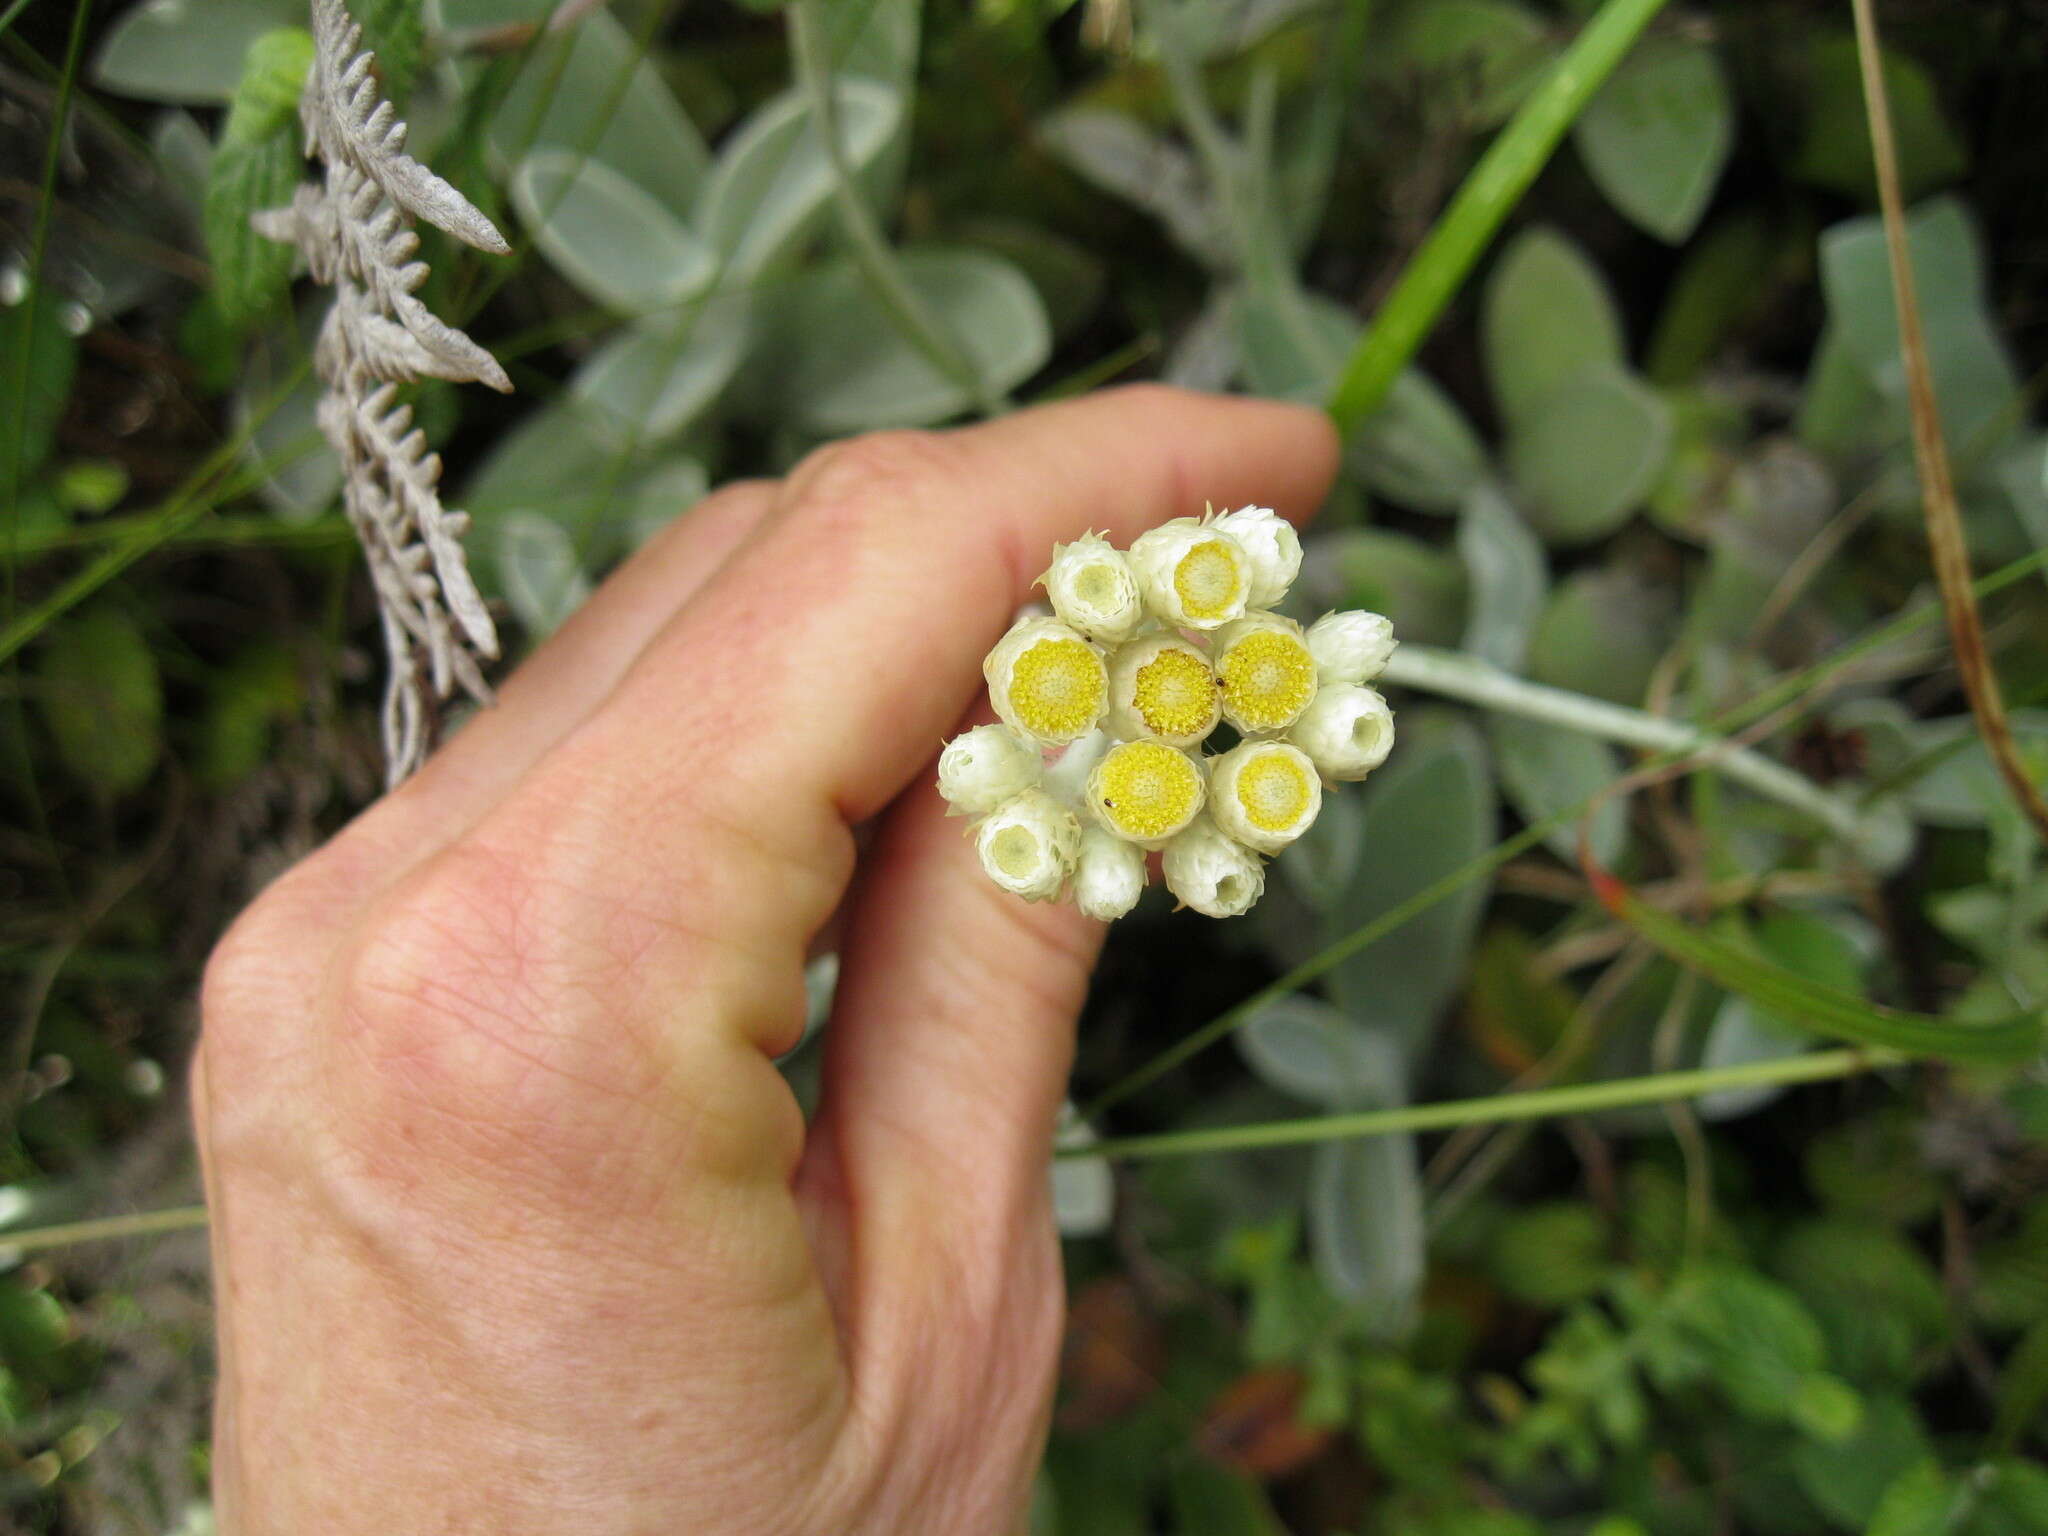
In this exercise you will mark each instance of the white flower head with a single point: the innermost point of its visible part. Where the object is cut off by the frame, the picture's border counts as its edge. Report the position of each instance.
(1193, 574)
(1214, 874)
(1347, 732)
(1265, 794)
(1274, 546)
(1145, 792)
(1351, 646)
(1267, 675)
(1029, 846)
(1161, 687)
(1047, 681)
(1111, 875)
(1092, 588)
(981, 768)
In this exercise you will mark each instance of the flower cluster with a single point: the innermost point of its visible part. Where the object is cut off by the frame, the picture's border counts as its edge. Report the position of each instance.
(1105, 706)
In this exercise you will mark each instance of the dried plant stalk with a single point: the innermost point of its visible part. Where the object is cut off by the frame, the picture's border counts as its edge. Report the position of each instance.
(354, 227)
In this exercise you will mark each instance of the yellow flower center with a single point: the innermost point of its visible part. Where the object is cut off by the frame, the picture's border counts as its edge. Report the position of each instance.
(1274, 791)
(1058, 688)
(1210, 580)
(1268, 679)
(1147, 790)
(1015, 852)
(1175, 694)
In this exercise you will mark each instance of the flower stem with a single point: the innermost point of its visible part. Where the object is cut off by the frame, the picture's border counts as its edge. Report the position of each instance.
(1486, 198)
(176, 1219)
(1539, 1104)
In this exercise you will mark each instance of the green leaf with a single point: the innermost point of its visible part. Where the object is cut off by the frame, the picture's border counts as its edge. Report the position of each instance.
(537, 565)
(1919, 1502)
(1546, 768)
(834, 362)
(1757, 1342)
(1834, 149)
(1418, 449)
(774, 179)
(1207, 1500)
(1842, 1015)
(1419, 587)
(1305, 1047)
(2012, 1274)
(1872, 1167)
(1551, 1255)
(250, 272)
(1847, 1475)
(266, 100)
(1366, 1231)
(395, 31)
(562, 462)
(1509, 577)
(1601, 633)
(2023, 1390)
(593, 91)
(656, 377)
(1428, 812)
(186, 51)
(1478, 58)
(102, 700)
(609, 236)
(1547, 318)
(36, 351)
(1726, 274)
(1588, 457)
(245, 701)
(1657, 136)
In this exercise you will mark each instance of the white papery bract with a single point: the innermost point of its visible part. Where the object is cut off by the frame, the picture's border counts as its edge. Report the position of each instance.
(1351, 647)
(1193, 575)
(1110, 877)
(1030, 845)
(1347, 732)
(1274, 547)
(1162, 687)
(1105, 710)
(1214, 874)
(1047, 681)
(981, 768)
(1091, 587)
(1265, 794)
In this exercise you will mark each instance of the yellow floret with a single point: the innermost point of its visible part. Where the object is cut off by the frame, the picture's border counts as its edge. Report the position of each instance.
(1145, 790)
(1210, 580)
(1057, 688)
(1268, 679)
(1175, 693)
(1273, 791)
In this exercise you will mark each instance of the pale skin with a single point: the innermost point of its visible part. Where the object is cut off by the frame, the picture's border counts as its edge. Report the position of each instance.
(516, 1228)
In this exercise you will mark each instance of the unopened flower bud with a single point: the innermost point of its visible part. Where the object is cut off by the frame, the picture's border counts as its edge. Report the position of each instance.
(1161, 687)
(1092, 588)
(1193, 576)
(981, 768)
(1028, 847)
(1274, 546)
(1145, 791)
(1347, 731)
(1215, 875)
(1267, 673)
(1352, 646)
(1265, 794)
(1111, 875)
(1047, 681)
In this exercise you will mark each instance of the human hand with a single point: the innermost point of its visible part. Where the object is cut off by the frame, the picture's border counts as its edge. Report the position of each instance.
(516, 1228)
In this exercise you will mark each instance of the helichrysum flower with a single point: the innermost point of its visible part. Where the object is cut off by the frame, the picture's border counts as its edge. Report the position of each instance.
(1110, 877)
(1161, 686)
(1091, 587)
(1265, 794)
(1047, 681)
(1029, 846)
(1214, 874)
(1145, 792)
(1347, 731)
(981, 768)
(1105, 709)
(1351, 647)
(1267, 675)
(1274, 547)
(1192, 574)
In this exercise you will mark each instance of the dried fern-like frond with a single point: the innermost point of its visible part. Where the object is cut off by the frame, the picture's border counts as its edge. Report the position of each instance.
(355, 228)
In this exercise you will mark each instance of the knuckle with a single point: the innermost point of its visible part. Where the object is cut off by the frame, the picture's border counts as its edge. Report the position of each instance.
(876, 473)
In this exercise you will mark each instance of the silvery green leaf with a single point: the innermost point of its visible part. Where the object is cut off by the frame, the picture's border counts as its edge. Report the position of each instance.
(1546, 768)
(1418, 449)
(301, 475)
(1601, 633)
(1420, 587)
(1588, 456)
(875, 38)
(1478, 58)
(1657, 135)
(188, 52)
(182, 152)
(1083, 1192)
(593, 91)
(1741, 1033)
(537, 565)
(1366, 1231)
(774, 178)
(1319, 863)
(1548, 318)
(836, 362)
(1509, 578)
(660, 374)
(1131, 162)
(559, 461)
(1307, 1048)
(607, 235)
(661, 495)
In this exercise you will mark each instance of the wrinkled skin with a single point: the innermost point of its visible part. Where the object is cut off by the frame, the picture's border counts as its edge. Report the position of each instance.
(516, 1228)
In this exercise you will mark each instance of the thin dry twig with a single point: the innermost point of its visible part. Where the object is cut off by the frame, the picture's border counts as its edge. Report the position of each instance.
(1945, 540)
